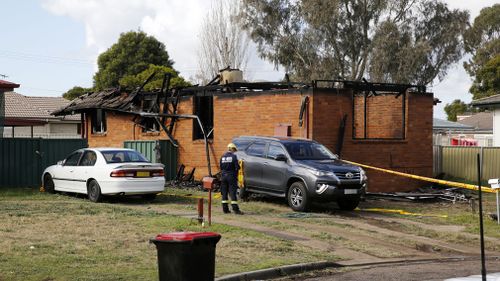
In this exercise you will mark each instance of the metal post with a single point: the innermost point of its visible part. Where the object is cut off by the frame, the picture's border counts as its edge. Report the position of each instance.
(200, 210)
(481, 230)
(498, 209)
(210, 207)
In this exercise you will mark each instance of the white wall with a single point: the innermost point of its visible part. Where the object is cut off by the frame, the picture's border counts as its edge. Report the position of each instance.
(496, 126)
(51, 130)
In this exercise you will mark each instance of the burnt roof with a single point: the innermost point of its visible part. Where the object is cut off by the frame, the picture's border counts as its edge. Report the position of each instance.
(115, 99)
(111, 99)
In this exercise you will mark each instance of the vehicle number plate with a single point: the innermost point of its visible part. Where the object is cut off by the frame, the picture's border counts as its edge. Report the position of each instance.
(350, 191)
(142, 174)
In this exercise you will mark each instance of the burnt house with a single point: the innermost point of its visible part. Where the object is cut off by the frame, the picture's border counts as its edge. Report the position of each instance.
(378, 124)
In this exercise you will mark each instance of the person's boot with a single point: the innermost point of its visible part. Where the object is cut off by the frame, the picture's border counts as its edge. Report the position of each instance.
(236, 209)
(225, 208)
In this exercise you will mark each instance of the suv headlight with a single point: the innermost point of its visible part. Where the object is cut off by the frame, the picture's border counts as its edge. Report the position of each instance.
(362, 173)
(319, 173)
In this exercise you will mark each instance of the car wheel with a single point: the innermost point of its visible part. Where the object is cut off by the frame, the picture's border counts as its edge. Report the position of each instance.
(242, 193)
(297, 197)
(348, 204)
(48, 184)
(149, 197)
(94, 191)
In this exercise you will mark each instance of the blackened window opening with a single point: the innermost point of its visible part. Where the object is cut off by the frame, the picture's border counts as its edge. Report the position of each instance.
(149, 125)
(98, 121)
(379, 116)
(203, 107)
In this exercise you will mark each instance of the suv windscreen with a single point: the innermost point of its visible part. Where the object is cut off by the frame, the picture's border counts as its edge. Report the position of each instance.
(308, 151)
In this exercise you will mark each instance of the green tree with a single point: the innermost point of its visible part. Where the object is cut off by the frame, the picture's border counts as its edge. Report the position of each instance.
(131, 55)
(482, 41)
(386, 40)
(75, 92)
(455, 108)
(131, 82)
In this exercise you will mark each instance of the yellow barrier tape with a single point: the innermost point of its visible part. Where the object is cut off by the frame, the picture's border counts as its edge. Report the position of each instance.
(443, 182)
(401, 212)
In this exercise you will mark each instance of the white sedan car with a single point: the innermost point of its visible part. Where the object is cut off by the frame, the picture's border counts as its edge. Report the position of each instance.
(105, 171)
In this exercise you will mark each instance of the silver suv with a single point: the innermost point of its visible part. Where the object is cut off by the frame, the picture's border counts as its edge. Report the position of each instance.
(300, 170)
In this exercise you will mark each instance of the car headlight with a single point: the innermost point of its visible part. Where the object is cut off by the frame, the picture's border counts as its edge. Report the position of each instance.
(320, 173)
(362, 173)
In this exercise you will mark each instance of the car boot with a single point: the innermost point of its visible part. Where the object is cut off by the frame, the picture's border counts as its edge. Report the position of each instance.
(225, 208)
(236, 209)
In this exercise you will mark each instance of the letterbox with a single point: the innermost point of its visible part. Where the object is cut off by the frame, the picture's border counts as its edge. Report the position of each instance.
(208, 182)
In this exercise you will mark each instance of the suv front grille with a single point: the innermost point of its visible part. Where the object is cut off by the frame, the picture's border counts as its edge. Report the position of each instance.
(348, 175)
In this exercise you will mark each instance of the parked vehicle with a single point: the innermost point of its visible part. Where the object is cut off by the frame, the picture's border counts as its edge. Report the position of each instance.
(300, 170)
(105, 171)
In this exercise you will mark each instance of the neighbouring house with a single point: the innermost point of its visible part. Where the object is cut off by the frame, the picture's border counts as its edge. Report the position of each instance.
(482, 122)
(492, 103)
(5, 86)
(383, 125)
(447, 132)
(30, 117)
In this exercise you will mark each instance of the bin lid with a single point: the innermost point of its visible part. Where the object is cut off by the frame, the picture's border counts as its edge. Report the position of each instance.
(185, 236)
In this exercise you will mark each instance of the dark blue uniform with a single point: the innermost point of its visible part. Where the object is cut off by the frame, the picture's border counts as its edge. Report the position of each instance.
(229, 180)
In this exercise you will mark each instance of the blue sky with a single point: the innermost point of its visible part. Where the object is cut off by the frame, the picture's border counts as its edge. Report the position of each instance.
(49, 46)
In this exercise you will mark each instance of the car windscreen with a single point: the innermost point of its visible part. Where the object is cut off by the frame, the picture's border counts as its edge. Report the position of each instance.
(308, 151)
(123, 156)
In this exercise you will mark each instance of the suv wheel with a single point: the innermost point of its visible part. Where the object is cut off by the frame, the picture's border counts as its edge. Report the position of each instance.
(348, 204)
(242, 193)
(297, 197)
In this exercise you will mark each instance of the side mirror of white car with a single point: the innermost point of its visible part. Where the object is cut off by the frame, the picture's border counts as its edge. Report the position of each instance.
(60, 162)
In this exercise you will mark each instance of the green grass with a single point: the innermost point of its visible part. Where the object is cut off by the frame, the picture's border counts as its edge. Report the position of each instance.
(64, 237)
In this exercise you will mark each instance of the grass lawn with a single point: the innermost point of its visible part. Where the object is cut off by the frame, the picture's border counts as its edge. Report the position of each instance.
(64, 237)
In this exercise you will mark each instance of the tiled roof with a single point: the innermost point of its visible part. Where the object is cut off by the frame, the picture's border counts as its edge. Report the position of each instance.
(492, 100)
(479, 121)
(441, 124)
(20, 106)
(6, 85)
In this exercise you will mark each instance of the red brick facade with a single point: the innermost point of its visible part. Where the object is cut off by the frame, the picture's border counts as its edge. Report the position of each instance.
(259, 114)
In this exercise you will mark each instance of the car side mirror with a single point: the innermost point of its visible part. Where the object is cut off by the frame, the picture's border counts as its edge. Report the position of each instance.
(61, 162)
(280, 157)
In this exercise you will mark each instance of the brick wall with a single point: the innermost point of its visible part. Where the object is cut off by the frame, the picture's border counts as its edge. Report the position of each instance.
(237, 115)
(412, 155)
(259, 113)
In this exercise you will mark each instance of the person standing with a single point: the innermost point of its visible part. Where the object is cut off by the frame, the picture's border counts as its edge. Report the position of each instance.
(229, 178)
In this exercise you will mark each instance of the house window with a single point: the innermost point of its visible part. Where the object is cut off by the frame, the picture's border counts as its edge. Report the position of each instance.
(381, 116)
(203, 107)
(98, 121)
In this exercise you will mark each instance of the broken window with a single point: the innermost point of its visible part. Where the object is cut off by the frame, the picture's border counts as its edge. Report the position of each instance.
(149, 125)
(98, 121)
(379, 116)
(203, 107)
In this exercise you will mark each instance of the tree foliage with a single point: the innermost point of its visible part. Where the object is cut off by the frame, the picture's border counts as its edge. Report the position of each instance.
(408, 41)
(482, 40)
(222, 43)
(75, 92)
(131, 82)
(131, 55)
(457, 107)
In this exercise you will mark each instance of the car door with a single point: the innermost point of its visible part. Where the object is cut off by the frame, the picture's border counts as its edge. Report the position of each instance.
(254, 162)
(84, 170)
(64, 177)
(274, 171)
